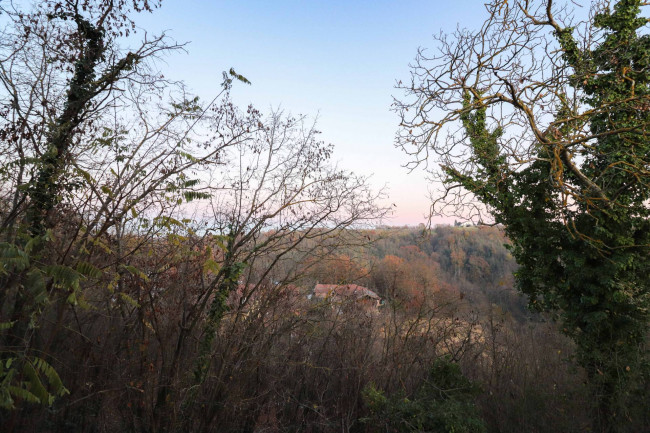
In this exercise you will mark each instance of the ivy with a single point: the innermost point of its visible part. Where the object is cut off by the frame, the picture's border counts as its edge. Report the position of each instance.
(587, 262)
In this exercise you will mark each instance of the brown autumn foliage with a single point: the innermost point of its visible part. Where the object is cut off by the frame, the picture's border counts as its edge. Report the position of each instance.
(282, 362)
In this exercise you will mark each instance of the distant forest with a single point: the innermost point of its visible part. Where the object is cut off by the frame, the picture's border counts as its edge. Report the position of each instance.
(413, 263)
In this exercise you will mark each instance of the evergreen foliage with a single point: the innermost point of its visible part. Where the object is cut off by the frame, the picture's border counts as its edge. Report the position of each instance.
(443, 403)
(576, 205)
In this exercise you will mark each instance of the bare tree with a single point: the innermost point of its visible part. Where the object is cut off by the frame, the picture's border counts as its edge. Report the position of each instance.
(91, 138)
(539, 121)
(115, 183)
(519, 68)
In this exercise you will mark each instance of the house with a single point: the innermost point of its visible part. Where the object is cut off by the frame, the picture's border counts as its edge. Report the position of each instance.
(344, 293)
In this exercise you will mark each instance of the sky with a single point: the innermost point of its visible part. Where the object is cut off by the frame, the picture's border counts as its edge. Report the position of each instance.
(337, 60)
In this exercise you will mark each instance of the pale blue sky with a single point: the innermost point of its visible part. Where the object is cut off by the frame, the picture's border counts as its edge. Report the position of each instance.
(335, 59)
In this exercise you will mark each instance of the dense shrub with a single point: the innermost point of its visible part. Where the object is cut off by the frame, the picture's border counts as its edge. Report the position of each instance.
(443, 403)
